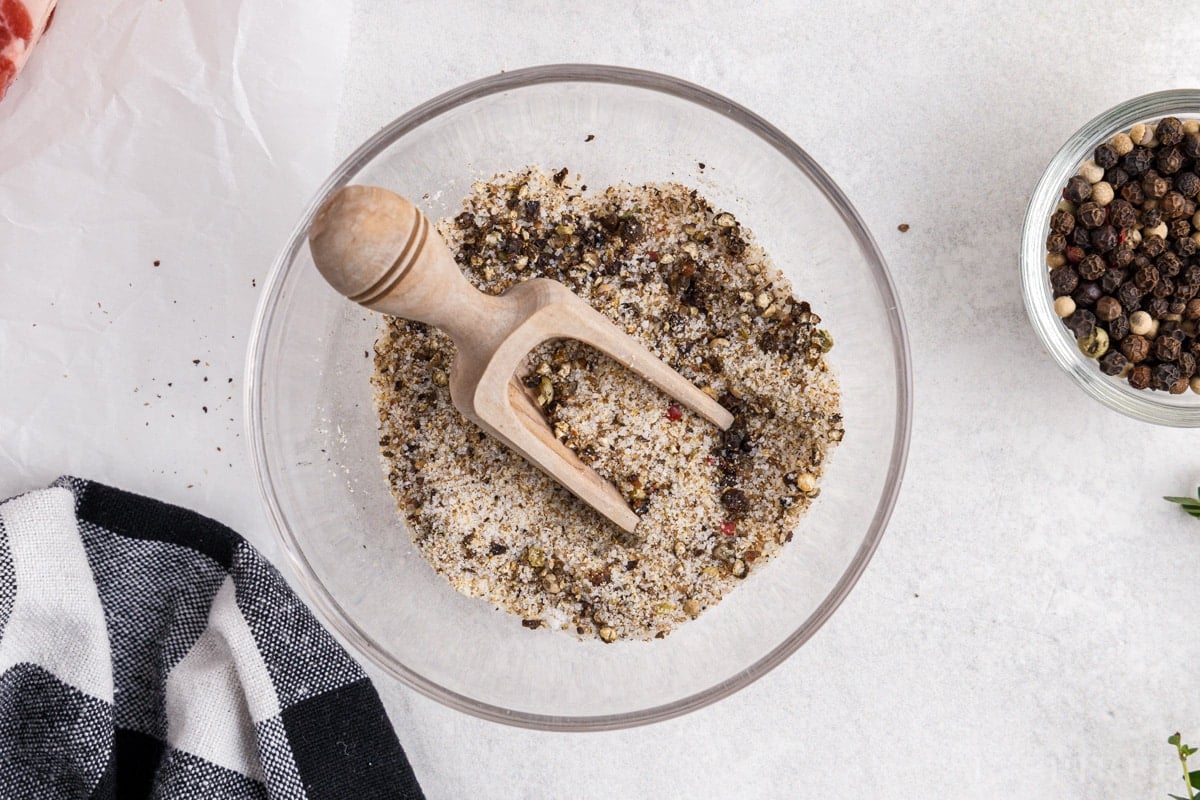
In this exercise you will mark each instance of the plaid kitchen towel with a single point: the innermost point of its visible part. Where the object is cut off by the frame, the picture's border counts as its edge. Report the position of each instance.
(149, 652)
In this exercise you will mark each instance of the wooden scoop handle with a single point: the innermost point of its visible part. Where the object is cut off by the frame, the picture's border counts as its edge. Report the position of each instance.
(379, 250)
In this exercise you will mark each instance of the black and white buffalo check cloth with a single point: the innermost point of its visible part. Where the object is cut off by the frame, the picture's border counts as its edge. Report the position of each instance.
(149, 652)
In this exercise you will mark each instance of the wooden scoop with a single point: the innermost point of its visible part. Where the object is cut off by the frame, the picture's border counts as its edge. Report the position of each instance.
(377, 249)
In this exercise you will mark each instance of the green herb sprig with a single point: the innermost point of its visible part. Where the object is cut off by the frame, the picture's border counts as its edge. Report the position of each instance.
(1190, 505)
(1190, 779)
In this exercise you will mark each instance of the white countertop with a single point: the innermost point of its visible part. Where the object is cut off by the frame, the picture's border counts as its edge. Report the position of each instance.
(1026, 628)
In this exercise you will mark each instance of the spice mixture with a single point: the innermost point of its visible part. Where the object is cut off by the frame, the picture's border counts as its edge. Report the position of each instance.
(691, 284)
(1123, 256)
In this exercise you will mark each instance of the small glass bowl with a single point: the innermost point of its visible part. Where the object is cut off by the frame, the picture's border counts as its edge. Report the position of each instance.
(1162, 408)
(313, 430)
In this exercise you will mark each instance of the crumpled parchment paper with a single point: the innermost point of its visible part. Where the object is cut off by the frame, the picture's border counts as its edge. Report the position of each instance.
(153, 159)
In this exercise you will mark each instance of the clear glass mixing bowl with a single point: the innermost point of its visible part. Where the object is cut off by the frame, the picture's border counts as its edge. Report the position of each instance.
(1181, 410)
(313, 430)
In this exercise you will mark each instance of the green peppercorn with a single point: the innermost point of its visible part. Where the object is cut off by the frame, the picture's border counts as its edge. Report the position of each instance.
(1095, 345)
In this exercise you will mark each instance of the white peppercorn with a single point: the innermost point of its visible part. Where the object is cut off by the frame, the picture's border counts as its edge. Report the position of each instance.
(1121, 143)
(1065, 307)
(1159, 230)
(1102, 193)
(1091, 171)
(1140, 323)
(1140, 133)
(1195, 384)
(1056, 260)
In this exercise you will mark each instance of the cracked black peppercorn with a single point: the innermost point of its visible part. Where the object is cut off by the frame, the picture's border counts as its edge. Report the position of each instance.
(1135, 347)
(1169, 131)
(1062, 222)
(1139, 377)
(1137, 161)
(1187, 184)
(1077, 190)
(1113, 280)
(1112, 363)
(1118, 328)
(1092, 267)
(1086, 294)
(1130, 297)
(1105, 238)
(1108, 308)
(1169, 161)
(1063, 281)
(1091, 215)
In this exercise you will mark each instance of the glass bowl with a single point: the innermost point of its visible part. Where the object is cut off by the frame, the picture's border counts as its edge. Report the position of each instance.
(1182, 410)
(312, 423)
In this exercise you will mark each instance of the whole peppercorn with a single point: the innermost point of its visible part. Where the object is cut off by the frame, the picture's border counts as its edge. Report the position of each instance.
(1113, 362)
(1179, 387)
(1135, 347)
(1091, 215)
(1056, 243)
(1108, 308)
(1146, 278)
(1192, 274)
(1179, 229)
(1154, 245)
(1121, 214)
(1077, 190)
(1095, 344)
(1132, 192)
(1140, 323)
(1186, 291)
(1169, 131)
(1063, 222)
(1176, 307)
(1118, 328)
(1162, 290)
(1092, 267)
(1105, 156)
(1116, 178)
(1074, 253)
(1163, 375)
(1130, 297)
(1186, 245)
(1172, 205)
(1141, 260)
(1187, 364)
(1137, 161)
(1166, 348)
(1157, 307)
(1169, 160)
(1139, 377)
(1123, 255)
(1081, 237)
(1105, 238)
(1169, 265)
(1081, 323)
(1086, 294)
(1153, 184)
(1192, 311)
(1191, 145)
(1065, 280)
(1187, 184)
(1150, 217)
(1113, 279)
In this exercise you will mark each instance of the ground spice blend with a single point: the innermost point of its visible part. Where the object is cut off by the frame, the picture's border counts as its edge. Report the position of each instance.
(693, 286)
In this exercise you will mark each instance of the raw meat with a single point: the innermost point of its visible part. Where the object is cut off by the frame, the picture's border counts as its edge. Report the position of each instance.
(22, 22)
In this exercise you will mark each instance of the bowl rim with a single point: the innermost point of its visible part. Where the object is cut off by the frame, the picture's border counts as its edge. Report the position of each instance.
(1146, 406)
(322, 599)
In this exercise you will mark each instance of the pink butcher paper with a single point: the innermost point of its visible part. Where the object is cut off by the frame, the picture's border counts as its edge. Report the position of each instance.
(22, 23)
